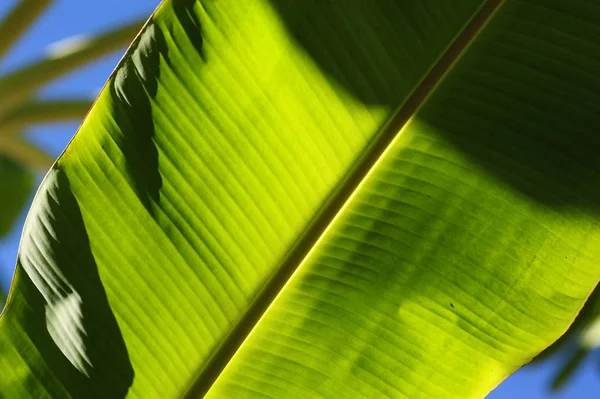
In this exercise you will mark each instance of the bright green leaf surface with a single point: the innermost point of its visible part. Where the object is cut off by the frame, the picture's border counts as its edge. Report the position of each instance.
(228, 139)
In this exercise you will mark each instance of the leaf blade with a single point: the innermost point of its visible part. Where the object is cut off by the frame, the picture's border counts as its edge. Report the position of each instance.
(426, 248)
(289, 134)
(258, 63)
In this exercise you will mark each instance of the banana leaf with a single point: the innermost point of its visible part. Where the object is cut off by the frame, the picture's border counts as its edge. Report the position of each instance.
(298, 199)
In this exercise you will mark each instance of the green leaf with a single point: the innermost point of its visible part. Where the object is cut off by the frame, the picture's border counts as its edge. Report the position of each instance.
(317, 199)
(16, 184)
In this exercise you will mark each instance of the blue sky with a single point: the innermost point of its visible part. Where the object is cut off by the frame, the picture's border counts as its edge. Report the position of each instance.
(70, 17)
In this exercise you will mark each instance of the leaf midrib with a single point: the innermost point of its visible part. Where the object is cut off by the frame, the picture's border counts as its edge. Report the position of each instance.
(205, 377)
